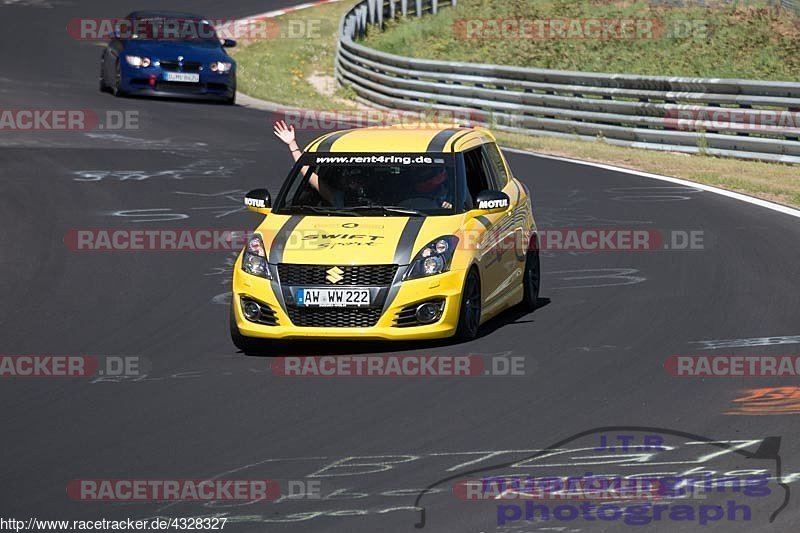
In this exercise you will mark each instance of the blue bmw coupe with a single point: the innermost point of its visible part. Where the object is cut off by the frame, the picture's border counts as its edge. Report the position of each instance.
(168, 54)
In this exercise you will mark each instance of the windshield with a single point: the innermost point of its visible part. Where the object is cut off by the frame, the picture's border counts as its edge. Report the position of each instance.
(170, 29)
(370, 184)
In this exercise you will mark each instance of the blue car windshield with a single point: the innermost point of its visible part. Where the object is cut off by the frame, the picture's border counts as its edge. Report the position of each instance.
(370, 184)
(171, 29)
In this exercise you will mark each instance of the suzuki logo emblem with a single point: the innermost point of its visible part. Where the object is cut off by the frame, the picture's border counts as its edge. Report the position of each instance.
(334, 275)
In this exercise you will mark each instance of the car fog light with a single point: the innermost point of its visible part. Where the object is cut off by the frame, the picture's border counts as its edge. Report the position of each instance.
(251, 310)
(428, 312)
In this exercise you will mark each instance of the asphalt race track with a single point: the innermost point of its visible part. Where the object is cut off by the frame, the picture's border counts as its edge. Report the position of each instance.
(593, 352)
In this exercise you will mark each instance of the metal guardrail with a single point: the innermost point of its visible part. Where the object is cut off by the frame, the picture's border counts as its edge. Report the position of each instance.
(722, 117)
(792, 5)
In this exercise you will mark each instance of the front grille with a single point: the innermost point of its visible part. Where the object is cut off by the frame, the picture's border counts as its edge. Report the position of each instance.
(334, 317)
(407, 316)
(355, 275)
(179, 87)
(188, 66)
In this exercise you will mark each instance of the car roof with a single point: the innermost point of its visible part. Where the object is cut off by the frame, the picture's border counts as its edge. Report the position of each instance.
(163, 15)
(403, 138)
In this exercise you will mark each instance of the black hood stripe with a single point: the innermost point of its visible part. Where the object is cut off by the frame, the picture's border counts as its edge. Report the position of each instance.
(405, 246)
(276, 255)
(281, 238)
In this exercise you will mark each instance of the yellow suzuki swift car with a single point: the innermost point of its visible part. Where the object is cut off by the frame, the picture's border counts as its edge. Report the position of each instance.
(387, 233)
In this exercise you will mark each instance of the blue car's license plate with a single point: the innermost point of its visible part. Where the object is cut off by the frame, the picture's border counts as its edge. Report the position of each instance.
(186, 77)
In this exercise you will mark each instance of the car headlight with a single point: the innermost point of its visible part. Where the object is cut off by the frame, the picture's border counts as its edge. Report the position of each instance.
(255, 258)
(220, 66)
(434, 258)
(137, 61)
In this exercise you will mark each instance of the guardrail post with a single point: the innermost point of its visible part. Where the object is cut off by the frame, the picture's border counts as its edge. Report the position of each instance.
(372, 6)
(404, 7)
(419, 8)
(391, 9)
(362, 21)
(434, 6)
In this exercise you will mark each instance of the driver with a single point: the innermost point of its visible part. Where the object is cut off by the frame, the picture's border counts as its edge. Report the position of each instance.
(430, 183)
(286, 134)
(433, 184)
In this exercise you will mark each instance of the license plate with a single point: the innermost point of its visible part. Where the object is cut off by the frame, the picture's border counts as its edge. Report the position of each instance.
(332, 297)
(187, 77)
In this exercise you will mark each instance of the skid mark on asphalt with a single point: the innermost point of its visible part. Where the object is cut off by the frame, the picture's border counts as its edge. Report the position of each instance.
(203, 168)
(148, 144)
(653, 194)
(593, 278)
(753, 341)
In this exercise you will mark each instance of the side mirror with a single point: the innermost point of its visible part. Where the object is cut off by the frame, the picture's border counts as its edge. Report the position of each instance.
(258, 201)
(492, 201)
(228, 43)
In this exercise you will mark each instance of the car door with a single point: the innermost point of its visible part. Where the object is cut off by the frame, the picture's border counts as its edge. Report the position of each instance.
(481, 177)
(113, 52)
(512, 225)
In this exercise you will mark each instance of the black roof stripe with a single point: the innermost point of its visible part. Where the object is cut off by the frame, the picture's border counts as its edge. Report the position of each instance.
(327, 143)
(440, 139)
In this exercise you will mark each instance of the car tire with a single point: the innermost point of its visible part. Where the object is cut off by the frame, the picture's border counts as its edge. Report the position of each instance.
(245, 344)
(469, 316)
(531, 281)
(116, 89)
(103, 86)
(231, 100)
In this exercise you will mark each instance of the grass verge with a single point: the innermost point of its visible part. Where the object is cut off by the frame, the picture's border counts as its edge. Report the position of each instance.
(280, 71)
(757, 42)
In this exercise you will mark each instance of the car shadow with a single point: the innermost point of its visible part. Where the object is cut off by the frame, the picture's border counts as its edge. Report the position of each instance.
(298, 348)
(176, 98)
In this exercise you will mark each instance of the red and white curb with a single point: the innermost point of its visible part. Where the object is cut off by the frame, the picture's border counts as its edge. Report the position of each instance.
(276, 13)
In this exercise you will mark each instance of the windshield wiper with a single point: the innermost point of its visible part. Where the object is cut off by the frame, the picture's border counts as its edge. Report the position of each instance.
(394, 209)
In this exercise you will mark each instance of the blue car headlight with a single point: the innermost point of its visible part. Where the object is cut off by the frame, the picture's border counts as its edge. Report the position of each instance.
(220, 67)
(255, 258)
(138, 61)
(434, 258)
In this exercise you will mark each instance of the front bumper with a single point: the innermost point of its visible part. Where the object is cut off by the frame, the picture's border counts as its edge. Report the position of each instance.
(212, 86)
(447, 286)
